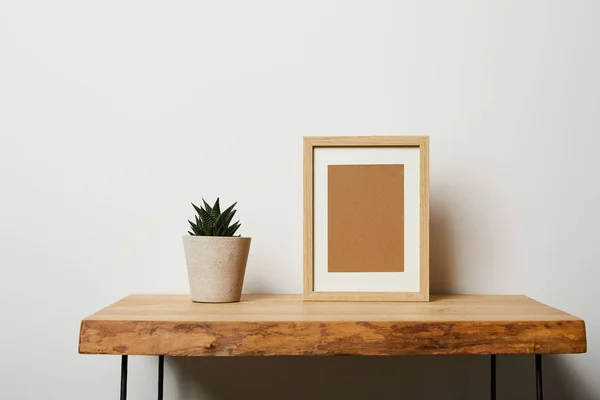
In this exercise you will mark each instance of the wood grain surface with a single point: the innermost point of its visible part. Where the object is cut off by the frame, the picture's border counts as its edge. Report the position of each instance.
(285, 325)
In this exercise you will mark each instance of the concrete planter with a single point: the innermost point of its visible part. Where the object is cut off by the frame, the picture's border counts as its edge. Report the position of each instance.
(216, 267)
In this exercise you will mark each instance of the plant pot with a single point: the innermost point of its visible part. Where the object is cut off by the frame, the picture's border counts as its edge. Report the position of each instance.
(216, 267)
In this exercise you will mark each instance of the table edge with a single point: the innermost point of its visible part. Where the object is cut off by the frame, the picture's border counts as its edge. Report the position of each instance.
(567, 337)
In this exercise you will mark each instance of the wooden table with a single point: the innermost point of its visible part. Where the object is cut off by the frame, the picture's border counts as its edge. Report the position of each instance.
(272, 325)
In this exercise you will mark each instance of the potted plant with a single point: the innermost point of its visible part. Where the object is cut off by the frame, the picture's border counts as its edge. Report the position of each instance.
(216, 259)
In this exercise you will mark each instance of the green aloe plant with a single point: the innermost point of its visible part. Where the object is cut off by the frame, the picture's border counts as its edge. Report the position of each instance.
(210, 221)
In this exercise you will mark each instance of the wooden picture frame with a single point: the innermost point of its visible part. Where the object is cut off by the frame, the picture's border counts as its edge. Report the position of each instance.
(419, 245)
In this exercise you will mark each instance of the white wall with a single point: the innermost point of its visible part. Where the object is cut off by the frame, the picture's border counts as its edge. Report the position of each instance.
(114, 115)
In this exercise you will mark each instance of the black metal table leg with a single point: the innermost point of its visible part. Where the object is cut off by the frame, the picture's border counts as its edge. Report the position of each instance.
(161, 376)
(538, 377)
(123, 377)
(493, 377)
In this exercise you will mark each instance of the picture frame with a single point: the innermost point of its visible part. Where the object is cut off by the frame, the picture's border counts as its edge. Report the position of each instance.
(348, 179)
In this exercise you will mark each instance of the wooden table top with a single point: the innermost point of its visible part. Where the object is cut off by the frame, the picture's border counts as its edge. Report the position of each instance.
(285, 325)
